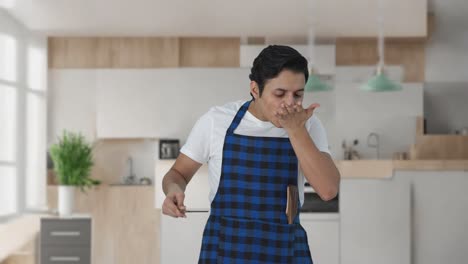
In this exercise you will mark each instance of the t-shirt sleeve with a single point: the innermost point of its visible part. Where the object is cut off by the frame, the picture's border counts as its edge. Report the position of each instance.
(318, 135)
(197, 146)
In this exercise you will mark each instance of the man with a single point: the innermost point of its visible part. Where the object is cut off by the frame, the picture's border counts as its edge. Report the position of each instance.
(254, 150)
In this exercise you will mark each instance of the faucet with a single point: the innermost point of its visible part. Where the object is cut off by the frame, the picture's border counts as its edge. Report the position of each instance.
(375, 145)
(130, 179)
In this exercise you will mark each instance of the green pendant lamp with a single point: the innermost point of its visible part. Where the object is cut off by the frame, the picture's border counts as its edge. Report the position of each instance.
(315, 84)
(380, 82)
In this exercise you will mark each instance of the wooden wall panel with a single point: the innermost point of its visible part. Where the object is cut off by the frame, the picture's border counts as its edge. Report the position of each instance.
(433, 146)
(209, 52)
(446, 147)
(113, 52)
(256, 40)
(145, 52)
(73, 52)
(410, 53)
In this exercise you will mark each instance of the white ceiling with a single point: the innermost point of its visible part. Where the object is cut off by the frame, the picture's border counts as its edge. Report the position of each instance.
(218, 17)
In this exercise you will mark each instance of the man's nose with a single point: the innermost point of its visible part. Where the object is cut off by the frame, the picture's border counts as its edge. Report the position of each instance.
(290, 100)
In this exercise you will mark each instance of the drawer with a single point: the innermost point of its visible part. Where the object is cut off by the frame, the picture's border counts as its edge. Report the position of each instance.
(65, 232)
(65, 255)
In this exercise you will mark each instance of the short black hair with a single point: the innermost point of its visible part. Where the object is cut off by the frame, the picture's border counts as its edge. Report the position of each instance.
(274, 59)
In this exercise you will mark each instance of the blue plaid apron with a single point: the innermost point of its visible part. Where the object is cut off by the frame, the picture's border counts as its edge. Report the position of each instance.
(248, 223)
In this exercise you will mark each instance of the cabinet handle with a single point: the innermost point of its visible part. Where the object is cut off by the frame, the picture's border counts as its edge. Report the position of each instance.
(64, 258)
(65, 233)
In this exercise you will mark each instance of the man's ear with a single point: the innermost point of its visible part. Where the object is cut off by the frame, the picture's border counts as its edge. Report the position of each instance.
(254, 90)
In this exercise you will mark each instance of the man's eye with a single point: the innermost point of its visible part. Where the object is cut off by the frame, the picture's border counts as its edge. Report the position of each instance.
(279, 94)
(298, 95)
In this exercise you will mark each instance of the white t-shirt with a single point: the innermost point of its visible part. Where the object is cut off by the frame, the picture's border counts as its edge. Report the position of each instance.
(206, 140)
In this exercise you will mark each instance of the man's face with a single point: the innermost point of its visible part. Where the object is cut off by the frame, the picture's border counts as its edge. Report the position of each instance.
(287, 88)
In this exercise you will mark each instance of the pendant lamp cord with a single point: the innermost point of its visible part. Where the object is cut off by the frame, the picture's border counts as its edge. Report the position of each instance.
(380, 20)
(311, 35)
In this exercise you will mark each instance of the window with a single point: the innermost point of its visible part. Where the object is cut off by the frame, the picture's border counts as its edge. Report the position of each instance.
(8, 54)
(8, 126)
(8, 206)
(23, 93)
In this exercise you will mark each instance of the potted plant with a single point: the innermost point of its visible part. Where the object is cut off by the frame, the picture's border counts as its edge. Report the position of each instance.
(73, 160)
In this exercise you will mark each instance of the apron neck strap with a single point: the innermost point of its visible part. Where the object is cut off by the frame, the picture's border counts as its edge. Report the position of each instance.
(239, 115)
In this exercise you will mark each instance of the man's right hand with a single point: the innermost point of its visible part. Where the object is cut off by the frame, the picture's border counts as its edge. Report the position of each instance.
(174, 204)
(174, 183)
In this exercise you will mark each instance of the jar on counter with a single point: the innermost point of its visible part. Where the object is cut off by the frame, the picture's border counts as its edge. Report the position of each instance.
(400, 156)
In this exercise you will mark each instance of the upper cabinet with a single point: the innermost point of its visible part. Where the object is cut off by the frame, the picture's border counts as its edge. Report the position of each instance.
(162, 103)
(127, 107)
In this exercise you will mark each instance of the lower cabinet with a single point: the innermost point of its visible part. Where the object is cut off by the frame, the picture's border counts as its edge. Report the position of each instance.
(181, 237)
(375, 221)
(65, 240)
(323, 233)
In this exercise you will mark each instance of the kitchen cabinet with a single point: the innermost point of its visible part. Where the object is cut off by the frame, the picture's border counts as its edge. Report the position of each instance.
(65, 240)
(185, 234)
(439, 215)
(127, 106)
(323, 233)
(162, 103)
(181, 237)
(72, 104)
(196, 193)
(375, 220)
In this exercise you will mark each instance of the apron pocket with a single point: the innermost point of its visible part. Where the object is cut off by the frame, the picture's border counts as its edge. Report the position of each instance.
(252, 241)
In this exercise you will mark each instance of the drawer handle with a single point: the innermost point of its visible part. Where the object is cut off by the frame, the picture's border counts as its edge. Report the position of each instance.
(63, 258)
(65, 233)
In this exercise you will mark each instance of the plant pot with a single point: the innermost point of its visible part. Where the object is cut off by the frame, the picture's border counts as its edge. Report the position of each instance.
(66, 200)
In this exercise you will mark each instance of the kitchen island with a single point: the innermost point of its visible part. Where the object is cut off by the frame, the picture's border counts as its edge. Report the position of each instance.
(410, 211)
(387, 168)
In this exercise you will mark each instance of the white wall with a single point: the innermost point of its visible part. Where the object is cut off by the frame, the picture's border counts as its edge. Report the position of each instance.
(348, 113)
(445, 107)
(446, 68)
(446, 52)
